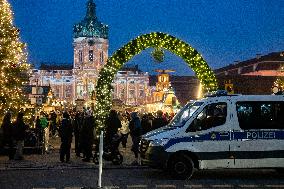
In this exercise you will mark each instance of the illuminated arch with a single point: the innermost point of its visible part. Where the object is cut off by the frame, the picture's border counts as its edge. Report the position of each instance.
(134, 47)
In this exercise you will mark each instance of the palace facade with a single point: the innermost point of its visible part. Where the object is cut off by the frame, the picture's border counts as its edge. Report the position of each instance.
(77, 82)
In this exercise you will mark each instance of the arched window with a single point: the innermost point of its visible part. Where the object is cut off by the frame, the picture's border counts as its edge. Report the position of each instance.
(102, 57)
(80, 56)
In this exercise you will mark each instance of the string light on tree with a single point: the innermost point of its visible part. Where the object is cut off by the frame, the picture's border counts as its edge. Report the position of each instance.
(13, 62)
(155, 40)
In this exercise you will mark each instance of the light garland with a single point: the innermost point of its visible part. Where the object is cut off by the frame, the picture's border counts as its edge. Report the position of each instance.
(13, 63)
(134, 47)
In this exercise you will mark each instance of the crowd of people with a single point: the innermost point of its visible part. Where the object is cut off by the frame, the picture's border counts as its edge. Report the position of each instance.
(124, 124)
(81, 126)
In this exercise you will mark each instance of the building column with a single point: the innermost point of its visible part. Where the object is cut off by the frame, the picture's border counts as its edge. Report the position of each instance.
(62, 89)
(126, 79)
(74, 89)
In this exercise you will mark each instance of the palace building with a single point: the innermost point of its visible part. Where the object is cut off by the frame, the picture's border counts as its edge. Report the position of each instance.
(70, 83)
(131, 86)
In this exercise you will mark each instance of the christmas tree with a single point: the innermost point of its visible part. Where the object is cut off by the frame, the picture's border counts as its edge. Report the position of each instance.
(13, 63)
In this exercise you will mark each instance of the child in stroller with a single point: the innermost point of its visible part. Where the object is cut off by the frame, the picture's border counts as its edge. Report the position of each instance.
(111, 151)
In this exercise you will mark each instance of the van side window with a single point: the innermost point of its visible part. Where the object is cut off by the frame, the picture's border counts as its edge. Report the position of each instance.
(212, 115)
(260, 115)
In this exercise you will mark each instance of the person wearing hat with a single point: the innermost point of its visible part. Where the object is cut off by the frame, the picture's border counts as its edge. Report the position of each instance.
(45, 129)
(87, 136)
(65, 133)
(135, 133)
(19, 132)
(113, 124)
(159, 121)
(8, 134)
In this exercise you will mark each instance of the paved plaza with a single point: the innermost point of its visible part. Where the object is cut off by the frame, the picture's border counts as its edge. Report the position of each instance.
(46, 171)
(51, 160)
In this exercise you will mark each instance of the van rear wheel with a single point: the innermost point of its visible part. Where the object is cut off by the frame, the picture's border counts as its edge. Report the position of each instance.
(181, 167)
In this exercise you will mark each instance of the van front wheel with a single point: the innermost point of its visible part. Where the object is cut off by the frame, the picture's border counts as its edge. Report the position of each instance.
(181, 167)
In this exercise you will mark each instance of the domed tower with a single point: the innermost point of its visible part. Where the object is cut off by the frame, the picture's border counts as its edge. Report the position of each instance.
(90, 42)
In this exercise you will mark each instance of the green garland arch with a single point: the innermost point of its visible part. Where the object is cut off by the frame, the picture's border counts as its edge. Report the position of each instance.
(134, 47)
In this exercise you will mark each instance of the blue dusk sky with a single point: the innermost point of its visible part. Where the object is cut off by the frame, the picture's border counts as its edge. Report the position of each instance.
(223, 31)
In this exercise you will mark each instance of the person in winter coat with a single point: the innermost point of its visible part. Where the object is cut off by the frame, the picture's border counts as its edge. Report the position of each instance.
(65, 133)
(77, 125)
(145, 124)
(159, 121)
(45, 128)
(112, 125)
(39, 130)
(43, 120)
(135, 133)
(87, 136)
(124, 130)
(19, 132)
(53, 126)
(8, 134)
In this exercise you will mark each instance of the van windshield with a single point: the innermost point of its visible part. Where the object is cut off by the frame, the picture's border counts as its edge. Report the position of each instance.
(184, 114)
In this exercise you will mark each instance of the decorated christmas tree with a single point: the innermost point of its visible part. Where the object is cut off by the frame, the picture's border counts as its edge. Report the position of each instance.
(13, 63)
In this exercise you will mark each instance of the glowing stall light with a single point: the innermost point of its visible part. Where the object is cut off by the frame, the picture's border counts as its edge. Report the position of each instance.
(199, 91)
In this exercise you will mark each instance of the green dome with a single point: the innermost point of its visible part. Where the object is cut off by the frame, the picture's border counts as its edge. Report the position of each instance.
(90, 26)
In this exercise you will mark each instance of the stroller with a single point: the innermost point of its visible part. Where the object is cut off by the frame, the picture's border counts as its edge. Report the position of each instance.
(111, 151)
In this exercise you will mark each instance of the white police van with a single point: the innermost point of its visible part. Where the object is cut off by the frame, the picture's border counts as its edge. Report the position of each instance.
(219, 131)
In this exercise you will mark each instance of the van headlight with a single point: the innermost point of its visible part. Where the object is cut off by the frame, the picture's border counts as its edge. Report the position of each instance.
(158, 142)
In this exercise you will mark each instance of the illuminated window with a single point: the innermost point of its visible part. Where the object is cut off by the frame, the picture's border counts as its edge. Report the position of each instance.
(56, 93)
(141, 93)
(102, 57)
(80, 56)
(68, 94)
(80, 89)
(122, 93)
(91, 87)
(131, 94)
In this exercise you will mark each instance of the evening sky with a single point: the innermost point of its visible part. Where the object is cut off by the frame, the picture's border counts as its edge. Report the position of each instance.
(223, 31)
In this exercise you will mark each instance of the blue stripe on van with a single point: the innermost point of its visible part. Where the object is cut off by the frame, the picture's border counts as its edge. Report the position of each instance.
(258, 134)
(235, 135)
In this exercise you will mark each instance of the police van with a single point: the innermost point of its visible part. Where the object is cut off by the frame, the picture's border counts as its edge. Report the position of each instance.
(217, 132)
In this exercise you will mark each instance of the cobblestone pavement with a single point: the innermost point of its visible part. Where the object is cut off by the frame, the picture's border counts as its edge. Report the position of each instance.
(51, 160)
